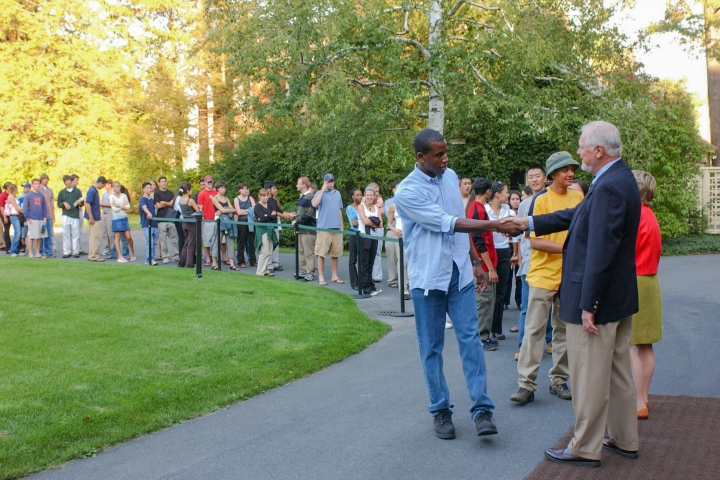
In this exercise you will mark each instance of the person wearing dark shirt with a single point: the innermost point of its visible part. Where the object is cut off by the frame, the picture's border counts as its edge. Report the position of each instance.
(149, 226)
(188, 207)
(92, 214)
(265, 236)
(35, 211)
(167, 233)
(70, 199)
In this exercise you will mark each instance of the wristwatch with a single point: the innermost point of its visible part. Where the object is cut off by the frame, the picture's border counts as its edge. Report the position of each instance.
(476, 261)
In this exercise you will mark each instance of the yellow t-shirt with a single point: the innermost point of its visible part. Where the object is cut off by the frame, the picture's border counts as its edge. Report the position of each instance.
(546, 268)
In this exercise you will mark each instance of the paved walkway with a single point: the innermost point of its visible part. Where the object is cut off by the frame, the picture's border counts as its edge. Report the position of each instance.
(366, 417)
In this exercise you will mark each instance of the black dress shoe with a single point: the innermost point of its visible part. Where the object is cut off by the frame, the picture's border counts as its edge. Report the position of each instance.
(563, 455)
(610, 446)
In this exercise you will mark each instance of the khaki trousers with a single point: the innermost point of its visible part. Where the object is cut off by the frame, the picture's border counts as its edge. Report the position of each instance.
(603, 388)
(306, 253)
(168, 240)
(266, 249)
(485, 309)
(392, 252)
(94, 240)
(106, 234)
(540, 301)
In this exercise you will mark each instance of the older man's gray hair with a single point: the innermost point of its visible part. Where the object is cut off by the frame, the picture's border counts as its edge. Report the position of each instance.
(603, 134)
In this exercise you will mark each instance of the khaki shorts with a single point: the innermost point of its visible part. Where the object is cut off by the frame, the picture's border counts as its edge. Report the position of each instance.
(208, 235)
(329, 244)
(35, 229)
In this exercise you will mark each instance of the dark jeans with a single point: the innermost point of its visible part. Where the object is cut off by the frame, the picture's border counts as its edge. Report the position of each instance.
(352, 263)
(181, 235)
(503, 271)
(518, 288)
(244, 234)
(187, 254)
(6, 235)
(367, 258)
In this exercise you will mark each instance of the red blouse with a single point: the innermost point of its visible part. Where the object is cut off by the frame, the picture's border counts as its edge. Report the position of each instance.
(649, 243)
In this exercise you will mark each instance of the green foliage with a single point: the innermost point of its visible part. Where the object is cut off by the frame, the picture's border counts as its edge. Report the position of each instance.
(517, 88)
(691, 245)
(76, 380)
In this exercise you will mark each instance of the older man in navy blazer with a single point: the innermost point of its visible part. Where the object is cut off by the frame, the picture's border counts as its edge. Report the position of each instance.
(598, 296)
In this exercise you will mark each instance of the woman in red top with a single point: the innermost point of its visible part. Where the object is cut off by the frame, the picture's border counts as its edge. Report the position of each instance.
(647, 323)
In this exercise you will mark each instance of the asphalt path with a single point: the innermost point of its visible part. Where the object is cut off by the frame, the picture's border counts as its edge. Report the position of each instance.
(366, 417)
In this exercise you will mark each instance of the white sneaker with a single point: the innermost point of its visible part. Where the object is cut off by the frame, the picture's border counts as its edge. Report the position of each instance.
(13, 254)
(122, 260)
(448, 323)
(375, 292)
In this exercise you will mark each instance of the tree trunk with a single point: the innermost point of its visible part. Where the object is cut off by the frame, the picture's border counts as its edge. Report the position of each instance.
(713, 79)
(436, 107)
(203, 123)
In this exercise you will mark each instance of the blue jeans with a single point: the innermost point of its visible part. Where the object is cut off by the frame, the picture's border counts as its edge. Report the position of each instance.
(150, 248)
(430, 310)
(523, 313)
(523, 310)
(17, 233)
(47, 242)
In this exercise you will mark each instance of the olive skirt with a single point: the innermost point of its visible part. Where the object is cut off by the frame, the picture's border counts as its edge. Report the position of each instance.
(647, 323)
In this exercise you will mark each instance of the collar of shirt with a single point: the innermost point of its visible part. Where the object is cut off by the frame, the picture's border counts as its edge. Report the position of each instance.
(429, 207)
(605, 169)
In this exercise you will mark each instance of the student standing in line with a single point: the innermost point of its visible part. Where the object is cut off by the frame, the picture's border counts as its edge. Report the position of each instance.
(265, 236)
(121, 226)
(370, 218)
(70, 200)
(354, 219)
(187, 207)
(149, 226)
(243, 204)
(228, 231)
(506, 248)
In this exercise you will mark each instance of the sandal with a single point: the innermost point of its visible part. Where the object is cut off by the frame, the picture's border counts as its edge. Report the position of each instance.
(337, 280)
(215, 267)
(242, 265)
(514, 329)
(322, 283)
(234, 267)
(269, 274)
(393, 284)
(208, 264)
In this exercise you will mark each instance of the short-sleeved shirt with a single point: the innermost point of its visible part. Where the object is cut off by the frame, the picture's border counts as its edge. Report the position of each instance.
(330, 209)
(166, 196)
(3, 199)
(546, 268)
(352, 214)
(386, 206)
(501, 241)
(92, 198)
(106, 199)
(150, 204)
(34, 206)
(205, 199)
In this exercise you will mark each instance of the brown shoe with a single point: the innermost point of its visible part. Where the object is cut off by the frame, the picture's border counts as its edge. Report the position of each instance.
(610, 446)
(549, 349)
(563, 455)
(643, 414)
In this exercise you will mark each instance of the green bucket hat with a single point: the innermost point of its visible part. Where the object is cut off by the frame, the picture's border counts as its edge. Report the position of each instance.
(559, 160)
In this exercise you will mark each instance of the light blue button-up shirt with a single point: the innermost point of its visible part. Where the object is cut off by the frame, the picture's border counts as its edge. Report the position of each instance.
(429, 208)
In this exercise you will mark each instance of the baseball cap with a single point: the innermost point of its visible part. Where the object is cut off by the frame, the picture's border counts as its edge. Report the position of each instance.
(27, 185)
(207, 178)
(559, 160)
(329, 177)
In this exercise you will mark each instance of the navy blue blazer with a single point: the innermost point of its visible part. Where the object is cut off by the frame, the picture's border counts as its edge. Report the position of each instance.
(598, 272)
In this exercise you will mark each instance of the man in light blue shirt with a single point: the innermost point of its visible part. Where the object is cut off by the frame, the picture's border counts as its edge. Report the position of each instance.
(328, 202)
(441, 267)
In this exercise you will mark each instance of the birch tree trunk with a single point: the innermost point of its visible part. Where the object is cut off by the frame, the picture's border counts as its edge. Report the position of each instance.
(713, 78)
(436, 107)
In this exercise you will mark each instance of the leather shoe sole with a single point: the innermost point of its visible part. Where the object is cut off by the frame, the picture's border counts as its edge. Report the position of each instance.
(611, 447)
(565, 456)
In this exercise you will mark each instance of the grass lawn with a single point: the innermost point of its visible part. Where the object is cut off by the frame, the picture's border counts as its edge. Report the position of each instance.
(93, 356)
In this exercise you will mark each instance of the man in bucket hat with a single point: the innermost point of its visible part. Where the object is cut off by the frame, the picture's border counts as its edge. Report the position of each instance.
(544, 281)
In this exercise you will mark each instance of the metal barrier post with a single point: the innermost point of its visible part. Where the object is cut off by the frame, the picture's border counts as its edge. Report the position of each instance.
(402, 283)
(217, 242)
(297, 252)
(198, 244)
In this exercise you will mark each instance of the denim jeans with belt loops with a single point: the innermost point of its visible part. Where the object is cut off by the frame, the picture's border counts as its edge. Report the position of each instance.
(430, 309)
